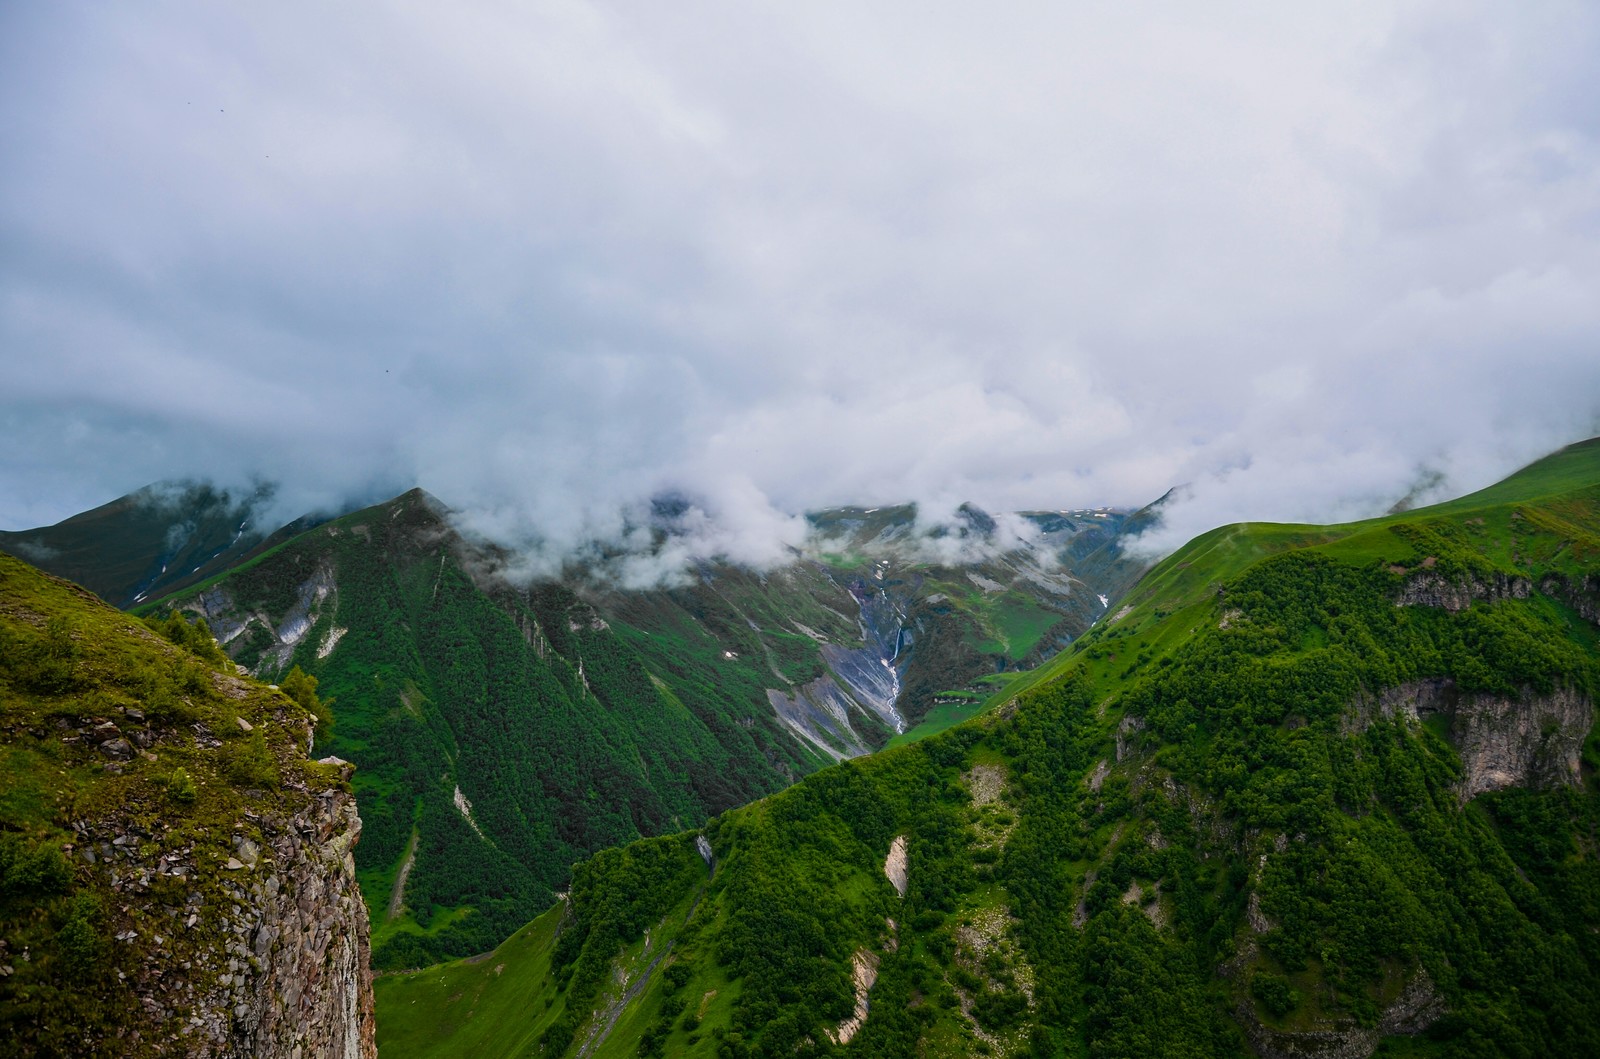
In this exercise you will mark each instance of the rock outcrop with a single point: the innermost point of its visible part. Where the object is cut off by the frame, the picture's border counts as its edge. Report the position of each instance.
(894, 865)
(266, 956)
(1430, 589)
(1417, 1007)
(1531, 740)
(188, 885)
(1582, 595)
(863, 976)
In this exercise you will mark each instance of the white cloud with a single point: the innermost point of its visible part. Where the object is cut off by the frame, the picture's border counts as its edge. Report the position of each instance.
(552, 261)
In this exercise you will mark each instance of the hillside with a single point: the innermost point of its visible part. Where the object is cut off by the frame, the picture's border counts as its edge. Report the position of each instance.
(175, 875)
(1311, 790)
(504, 732)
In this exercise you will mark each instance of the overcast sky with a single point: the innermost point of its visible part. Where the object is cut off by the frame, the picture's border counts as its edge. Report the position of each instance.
(549, 259)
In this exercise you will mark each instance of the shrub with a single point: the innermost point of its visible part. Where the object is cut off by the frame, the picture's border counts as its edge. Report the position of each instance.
(181, 788)
(1272, 991)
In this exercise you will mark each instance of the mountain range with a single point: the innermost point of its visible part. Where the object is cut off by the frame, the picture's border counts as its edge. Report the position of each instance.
(1294, 790)
(503, 728)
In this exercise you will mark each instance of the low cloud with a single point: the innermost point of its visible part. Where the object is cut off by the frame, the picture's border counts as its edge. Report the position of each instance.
(553, 263)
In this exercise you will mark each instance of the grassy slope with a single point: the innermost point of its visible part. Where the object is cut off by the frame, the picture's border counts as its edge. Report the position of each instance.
(1185, 579)
(1243, 788)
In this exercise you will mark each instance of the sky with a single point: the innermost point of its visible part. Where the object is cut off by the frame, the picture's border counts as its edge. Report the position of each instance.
(549, 260)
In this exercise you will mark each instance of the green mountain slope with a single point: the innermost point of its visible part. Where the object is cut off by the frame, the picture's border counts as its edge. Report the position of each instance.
(501, 735)
(1316, 790)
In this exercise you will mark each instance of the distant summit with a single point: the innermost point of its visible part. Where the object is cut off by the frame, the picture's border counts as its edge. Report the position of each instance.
(156, 540)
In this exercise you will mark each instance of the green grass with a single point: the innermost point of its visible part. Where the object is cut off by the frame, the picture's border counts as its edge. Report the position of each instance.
(1185, 581)
(479, 1006)
(938, 719)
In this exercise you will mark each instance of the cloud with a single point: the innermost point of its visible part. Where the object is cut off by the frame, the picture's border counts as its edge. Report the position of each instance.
(553, 262)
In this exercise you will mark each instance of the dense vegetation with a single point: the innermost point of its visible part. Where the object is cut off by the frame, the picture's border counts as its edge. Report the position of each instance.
(1208, 829)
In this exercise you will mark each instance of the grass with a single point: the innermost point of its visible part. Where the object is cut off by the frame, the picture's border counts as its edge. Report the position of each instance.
(472, 1006)
(1182, 585)
(500, 1003)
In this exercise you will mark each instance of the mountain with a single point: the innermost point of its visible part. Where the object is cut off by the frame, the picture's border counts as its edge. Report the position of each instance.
(175, 872)
(505, 730)
(155, 541)
(1310, 790)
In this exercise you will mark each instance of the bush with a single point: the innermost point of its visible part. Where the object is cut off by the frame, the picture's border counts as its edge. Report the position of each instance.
(250, 763)
(302, 688)
(1272, 991)
(181, 788)
(31, 871)
(677, 976)
(82, 947)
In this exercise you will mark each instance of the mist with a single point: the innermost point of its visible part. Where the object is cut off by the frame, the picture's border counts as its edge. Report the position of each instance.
(554, 262)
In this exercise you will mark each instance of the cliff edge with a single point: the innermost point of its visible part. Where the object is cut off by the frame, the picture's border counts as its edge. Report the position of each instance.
(175, 871)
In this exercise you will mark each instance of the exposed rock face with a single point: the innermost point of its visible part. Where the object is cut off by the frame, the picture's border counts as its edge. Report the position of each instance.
(818, 713)
(205, 863)
(863, 975)
(894, 865)
(1430, 589)
(228, 621)
(270, 959)
(1528, 741)
(1127, 731)
(306, 926)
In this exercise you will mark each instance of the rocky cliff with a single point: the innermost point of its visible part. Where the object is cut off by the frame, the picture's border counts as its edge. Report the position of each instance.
(1429, 589)
(175, 873)
(1525, 740)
